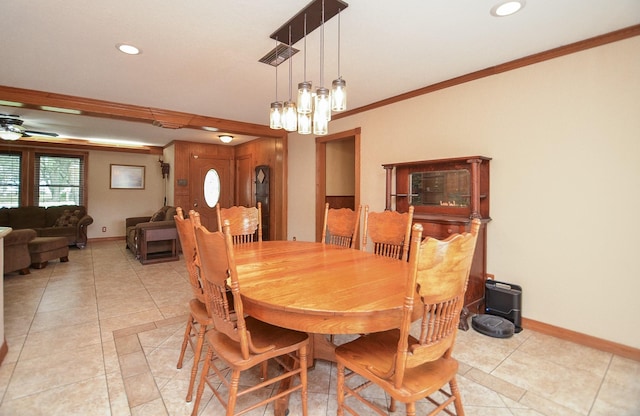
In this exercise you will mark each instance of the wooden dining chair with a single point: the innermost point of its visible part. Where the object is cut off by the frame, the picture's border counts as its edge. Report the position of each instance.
(340, 226)
(412, 368)
(198, 321)
(245, 223)
(389, 231)
(244, 342)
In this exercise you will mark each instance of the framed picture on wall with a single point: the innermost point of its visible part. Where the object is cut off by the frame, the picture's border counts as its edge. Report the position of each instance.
(127, 177)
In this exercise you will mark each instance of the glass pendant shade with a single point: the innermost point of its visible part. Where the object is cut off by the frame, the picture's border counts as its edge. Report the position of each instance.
(9, 134)
(339, 95)
(322, 105)
(290, 116)
(320, 126)
(304, 123)
(275, 117)
(305, 99)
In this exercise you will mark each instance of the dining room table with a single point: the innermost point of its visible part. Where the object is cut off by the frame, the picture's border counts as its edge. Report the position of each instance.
(320, 289)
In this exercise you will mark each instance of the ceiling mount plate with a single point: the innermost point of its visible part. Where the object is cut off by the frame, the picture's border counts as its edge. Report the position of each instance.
(314, 20)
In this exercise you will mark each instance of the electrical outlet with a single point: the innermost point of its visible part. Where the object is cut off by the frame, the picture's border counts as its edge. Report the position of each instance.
(104, 229)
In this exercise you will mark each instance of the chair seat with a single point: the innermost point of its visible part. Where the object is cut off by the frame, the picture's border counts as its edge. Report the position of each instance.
(378, 350)
(263, 335)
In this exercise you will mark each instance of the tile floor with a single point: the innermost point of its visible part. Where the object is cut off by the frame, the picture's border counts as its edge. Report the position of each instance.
(100, 335)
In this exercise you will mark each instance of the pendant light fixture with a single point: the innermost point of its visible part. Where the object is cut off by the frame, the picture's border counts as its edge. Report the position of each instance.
(290, 113)
(313, 107)
(322, 100)
(339, 86)
(275, 115)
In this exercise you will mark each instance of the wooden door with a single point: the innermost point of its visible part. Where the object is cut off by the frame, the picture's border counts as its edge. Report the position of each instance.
(199, 167)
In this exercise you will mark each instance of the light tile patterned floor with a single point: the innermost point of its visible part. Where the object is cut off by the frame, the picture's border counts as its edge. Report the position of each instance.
(100, 335)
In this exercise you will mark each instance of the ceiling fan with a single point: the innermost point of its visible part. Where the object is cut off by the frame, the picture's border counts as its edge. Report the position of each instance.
(11, 128)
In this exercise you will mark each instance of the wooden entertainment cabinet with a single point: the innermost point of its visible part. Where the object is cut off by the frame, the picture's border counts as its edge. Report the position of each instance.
(446, 195)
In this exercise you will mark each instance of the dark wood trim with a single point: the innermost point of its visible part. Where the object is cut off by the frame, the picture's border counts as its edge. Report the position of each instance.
(159, 117)
(611, 37)
(175, 119)
(4, 350)
(582, 339)
(341, 201)
(103, 239)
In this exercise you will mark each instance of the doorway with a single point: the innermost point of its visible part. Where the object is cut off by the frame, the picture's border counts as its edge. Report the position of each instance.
(324, 158)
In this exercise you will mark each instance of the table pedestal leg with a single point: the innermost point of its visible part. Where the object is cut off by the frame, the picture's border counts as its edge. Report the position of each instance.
(322, 348)
(319, 348)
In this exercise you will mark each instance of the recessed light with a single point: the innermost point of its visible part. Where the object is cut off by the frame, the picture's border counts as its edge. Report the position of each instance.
(128, 49)
(225, 138)
(60, 109)
(507, 8)
(207, 128)
(11, 103)
(116, 142)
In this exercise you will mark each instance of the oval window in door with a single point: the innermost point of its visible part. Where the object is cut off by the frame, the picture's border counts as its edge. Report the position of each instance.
(211, 188)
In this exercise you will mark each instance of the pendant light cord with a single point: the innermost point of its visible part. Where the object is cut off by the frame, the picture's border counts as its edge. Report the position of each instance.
(290, 63)
(305, 47)
(276, 69)
(322, 48)
(339, 76)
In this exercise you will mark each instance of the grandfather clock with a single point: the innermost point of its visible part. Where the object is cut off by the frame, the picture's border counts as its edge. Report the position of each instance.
(262, 196)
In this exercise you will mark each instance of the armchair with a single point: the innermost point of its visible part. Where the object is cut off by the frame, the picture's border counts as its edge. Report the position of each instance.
(134, 226)
(16, 250)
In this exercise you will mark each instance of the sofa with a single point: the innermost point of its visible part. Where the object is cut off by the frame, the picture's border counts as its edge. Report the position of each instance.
(70, 221)
(161, 219)
(16, 251)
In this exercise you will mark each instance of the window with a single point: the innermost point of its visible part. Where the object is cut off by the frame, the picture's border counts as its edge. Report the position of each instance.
(31, 177)
(59, 180)
(10, 179)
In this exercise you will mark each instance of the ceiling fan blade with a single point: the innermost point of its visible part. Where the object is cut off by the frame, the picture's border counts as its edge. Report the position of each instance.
(30, 133)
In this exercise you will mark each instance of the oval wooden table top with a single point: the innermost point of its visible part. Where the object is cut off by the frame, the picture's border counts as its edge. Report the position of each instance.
(320, 288)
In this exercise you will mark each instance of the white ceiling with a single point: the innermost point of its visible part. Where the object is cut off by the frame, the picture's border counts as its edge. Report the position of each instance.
(201, 56)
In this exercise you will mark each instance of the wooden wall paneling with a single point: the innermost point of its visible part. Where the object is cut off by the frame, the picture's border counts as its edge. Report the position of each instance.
(341, 201)
(180, 176)
(262, 151)
(268, 151)
(244, 186)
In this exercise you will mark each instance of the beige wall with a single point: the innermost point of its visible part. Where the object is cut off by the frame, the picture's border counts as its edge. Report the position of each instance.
(340, 175)
(564, 136)
(110, 207)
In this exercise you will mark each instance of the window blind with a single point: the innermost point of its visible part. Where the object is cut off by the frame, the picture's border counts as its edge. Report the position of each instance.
(10, 175)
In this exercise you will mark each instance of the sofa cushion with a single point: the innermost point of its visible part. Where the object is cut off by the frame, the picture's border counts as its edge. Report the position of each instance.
(170, 213)
(27, 217)
(68, 219)
(4, 217)
(158, 216)
(54, 213)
